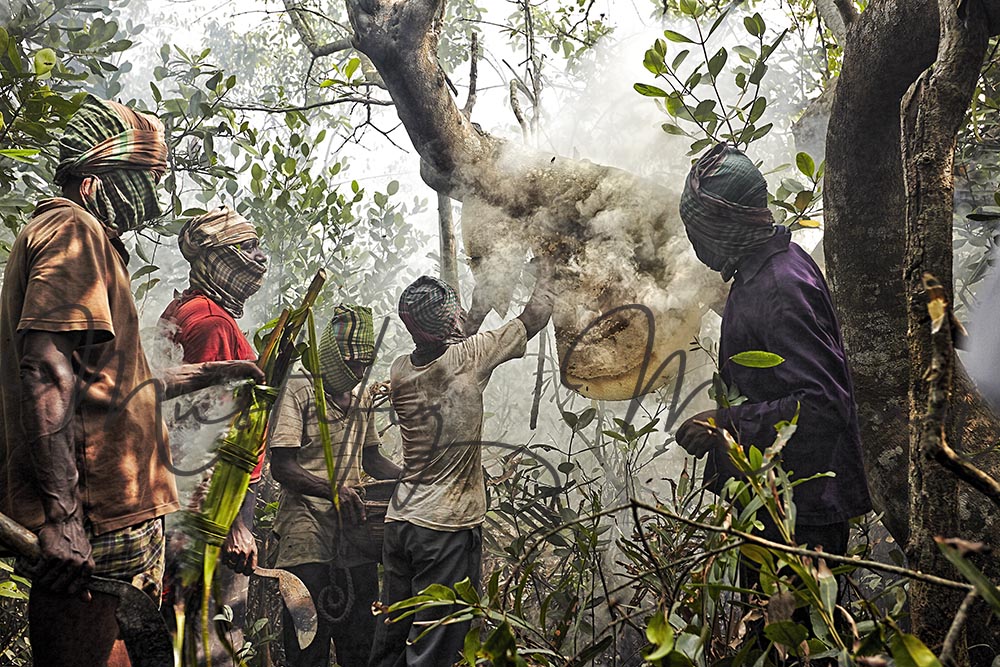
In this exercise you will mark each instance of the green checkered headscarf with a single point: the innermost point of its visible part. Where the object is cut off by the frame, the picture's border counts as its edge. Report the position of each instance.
(350, 336)
(119, 155)
(724, 208)
(432, 313)
(220, 269)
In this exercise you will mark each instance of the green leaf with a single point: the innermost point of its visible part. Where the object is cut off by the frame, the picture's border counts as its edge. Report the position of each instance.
(752, 26)
(439, 592)
(352, 66)
(757, 109)
(470, 650)
(908, 651)
(786, 633)
(660, 635)
(649, 91)
(670, 128)
(677, 37)
(717, 62)
(20, 154)
(467, 591)
(805, 164)
(392, 188)
(144, 271)
(679, 58)
(757, 359)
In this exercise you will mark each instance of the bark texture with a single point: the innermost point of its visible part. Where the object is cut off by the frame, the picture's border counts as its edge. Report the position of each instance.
(873, 202)
(618, 238)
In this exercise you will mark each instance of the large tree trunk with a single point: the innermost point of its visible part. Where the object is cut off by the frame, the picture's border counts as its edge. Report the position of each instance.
(933, 113)
(618, 237)
(884, 321)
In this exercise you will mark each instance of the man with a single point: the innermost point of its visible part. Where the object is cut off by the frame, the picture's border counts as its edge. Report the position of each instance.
(314, 539)
(779, 303)
(227, 268)
(84, 455)
(433, 529)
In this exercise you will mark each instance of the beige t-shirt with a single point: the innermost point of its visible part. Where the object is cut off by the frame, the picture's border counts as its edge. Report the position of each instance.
(64, 275)
(440, 411)
(308, 526)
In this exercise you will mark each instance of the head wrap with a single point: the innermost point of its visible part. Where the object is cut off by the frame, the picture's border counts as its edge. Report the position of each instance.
(724, 208)
(350, 336)
(120, 155)
(220, 269)
(432, 313)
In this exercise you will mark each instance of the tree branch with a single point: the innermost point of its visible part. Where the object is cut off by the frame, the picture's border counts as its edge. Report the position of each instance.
(346, 99)
(308, 35)
(470, 101)
(947, 656)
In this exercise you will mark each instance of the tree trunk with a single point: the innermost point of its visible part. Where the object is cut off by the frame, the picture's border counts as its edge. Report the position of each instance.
(866, 205)
(933, 113)
(618, 237)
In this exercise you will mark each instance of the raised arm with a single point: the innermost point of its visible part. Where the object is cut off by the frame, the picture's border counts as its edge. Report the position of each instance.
(537, 311)
(48, 382)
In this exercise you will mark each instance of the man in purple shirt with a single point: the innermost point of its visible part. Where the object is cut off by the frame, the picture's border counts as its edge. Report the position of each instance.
(779, 303)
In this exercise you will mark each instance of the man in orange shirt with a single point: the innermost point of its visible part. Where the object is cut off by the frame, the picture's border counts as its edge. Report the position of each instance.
(83, 455)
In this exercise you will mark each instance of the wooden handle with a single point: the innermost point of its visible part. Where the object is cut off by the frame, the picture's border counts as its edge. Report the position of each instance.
(19, 538)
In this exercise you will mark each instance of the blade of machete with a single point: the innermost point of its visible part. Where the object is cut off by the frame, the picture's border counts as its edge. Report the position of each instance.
(140, 624)
(297, 600)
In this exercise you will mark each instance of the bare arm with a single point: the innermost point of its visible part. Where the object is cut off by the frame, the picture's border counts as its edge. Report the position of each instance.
(537, 311)
(181, 380)
(477, 313)
(48, 382)
(239, 551)
(377, 465)
(287, 471)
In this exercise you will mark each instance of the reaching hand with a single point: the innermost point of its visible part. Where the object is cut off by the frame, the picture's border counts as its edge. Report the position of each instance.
(238, 370)
(698, 435)
(66, 563)
(239, 551)
(352, 508)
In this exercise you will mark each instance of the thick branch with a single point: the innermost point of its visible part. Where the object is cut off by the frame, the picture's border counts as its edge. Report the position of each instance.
(346, 99)
(470, 101)
(308, 36)
(837, 15)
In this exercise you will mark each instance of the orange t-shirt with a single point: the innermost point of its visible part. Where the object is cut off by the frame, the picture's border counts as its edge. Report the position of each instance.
(64, 274)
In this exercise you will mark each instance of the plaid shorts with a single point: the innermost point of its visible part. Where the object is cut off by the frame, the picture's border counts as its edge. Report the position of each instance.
(134, 554)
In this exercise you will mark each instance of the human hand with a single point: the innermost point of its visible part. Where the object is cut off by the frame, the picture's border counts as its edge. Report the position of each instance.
(351, 506)
(238, 370)
(66, 561)
(239, 551)
(699, 434)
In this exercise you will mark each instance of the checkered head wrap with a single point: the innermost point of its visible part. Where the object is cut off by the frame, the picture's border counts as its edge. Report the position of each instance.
(120, 155)
(220, 269)
(432, 313)
(724, 208)
(350, 336)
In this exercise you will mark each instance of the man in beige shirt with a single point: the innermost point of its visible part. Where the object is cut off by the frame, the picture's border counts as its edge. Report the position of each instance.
(433, 529)
(314, 539)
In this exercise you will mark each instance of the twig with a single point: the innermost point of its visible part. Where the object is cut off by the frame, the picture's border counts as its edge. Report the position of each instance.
(809, 553)
(955, 631)
(470, 101)
(539, 370)
(515, 105)
(346, 99)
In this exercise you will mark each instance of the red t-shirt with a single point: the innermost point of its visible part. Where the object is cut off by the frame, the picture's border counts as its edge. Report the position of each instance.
(207, 332)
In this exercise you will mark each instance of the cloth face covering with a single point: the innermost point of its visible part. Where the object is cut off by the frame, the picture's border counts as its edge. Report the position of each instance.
(724, 209)
(119, 155)
(220, 269)
(350, 336)
(432, 313)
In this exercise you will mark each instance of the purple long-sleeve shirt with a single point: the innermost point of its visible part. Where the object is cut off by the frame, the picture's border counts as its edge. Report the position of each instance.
(779, 303)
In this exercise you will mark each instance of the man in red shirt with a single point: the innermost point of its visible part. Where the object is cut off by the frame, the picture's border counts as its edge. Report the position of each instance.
(227, 268)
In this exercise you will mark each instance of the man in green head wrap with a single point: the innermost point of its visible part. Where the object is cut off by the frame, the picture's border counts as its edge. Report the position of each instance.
(779, 303)
(315, 541)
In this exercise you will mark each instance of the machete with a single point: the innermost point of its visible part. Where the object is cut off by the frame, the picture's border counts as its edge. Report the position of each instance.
(140, 624)
(297, 601)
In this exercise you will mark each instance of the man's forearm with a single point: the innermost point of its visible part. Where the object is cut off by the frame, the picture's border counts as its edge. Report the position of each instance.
(48, 381)
(290, 475)
(185, 379)
(378, 466)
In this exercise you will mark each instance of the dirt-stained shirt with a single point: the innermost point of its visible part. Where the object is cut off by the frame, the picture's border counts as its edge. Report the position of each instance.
(307, 526)
(440, 411)
(65, 275)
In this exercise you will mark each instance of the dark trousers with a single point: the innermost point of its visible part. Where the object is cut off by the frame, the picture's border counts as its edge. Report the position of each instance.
(832, 537)
(413, 558)
(344, 615)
